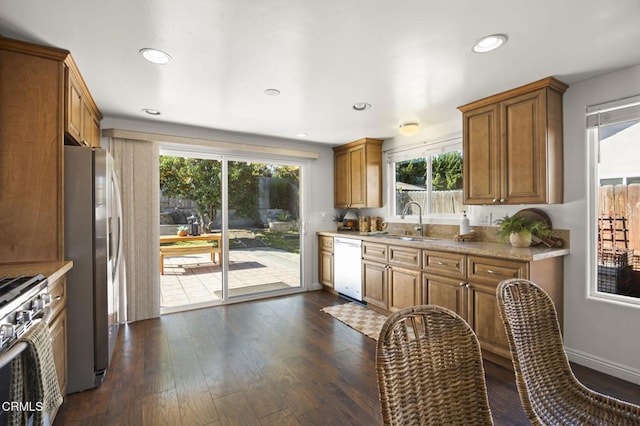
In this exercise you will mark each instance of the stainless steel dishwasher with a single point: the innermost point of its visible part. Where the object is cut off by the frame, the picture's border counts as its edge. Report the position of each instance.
(347, 263)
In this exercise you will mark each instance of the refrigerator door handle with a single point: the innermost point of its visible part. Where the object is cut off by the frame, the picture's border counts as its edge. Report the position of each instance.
(118, 201)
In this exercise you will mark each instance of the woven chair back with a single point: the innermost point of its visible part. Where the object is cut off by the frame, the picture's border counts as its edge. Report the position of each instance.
(549, 391)
(429, 369)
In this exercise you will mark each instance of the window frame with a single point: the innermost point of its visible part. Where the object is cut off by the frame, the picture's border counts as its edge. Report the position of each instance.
(622, 110)
(426, 149)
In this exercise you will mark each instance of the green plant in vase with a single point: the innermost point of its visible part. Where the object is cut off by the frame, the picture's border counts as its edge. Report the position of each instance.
(519, 229)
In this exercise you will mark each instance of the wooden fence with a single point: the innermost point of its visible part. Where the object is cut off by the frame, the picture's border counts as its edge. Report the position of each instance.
(621, 202)
(442, 201)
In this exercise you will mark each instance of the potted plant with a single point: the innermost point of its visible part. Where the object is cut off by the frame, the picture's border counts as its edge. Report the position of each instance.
(519, 229)
(339, 218)
(183, 230)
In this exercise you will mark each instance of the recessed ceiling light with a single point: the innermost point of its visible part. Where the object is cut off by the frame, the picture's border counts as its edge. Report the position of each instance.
(301, 135)
(271, 92)
(489, 43)
(361, 106)
(156, 56)
(151, 111)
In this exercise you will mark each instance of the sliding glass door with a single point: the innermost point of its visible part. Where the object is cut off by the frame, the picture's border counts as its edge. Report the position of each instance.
(263, 227)
(242, 224)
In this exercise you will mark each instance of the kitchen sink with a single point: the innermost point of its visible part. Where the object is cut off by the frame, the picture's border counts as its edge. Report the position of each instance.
(410, 237)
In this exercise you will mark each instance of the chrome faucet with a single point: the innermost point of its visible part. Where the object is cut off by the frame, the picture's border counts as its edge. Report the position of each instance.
(404, 212)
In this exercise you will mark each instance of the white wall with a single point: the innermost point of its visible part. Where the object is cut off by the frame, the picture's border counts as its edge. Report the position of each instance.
(318, 195)
(601, 335)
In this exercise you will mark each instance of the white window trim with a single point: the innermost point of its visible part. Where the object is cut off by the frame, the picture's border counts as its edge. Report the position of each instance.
(423, 149)
(615, 112)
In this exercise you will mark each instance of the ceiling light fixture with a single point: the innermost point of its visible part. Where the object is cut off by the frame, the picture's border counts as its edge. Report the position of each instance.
(409, 128)
(151, 111)
(301, 135)
(271, 92)
(489, 43)
(154, 55)
(361, 106)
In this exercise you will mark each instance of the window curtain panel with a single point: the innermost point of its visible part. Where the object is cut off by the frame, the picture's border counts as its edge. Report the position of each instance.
(136, 167)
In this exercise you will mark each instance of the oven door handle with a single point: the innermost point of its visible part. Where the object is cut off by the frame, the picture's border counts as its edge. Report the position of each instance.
(19, 347)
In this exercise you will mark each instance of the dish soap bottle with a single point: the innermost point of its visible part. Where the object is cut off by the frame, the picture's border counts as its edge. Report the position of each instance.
(464, 224)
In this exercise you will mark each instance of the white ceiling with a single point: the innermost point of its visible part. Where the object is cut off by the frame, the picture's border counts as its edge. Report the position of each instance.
(411, 59)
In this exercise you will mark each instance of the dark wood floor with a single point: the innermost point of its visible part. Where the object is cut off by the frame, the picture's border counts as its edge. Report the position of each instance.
(271, 362)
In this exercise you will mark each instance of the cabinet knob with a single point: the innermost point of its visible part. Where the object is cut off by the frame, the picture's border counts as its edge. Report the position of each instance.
(494, 201)
(462, 284)
(501, 200)
(468, 285)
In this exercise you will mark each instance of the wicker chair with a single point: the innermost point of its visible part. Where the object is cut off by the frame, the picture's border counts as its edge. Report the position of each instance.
(430, 370)
(549, 391)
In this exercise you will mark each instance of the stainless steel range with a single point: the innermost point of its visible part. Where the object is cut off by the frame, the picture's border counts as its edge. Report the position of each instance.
(24, 300)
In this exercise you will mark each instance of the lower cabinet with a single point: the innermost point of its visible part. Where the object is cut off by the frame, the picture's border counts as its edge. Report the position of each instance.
(374, 284)
(443, 291)
(58, 329)
(325, 264)
(404, 288)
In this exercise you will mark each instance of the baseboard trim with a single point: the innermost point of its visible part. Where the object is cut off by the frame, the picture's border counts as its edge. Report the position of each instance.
(604, 365)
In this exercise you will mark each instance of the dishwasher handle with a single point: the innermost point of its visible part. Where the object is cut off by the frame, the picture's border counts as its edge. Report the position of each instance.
(347, 242)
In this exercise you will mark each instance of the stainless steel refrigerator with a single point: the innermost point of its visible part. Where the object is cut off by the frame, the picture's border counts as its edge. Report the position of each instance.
(92, 243)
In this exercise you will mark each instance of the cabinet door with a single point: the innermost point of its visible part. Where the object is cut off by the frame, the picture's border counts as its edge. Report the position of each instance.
(481, 159)
(326, 268)
(358, 172)
(342, 177)
(374, 284)
(484, 318)
(74, 108)
(88, 124)
(447, 292)
(524, 149)
(490, 271)
(58, 331)
(404, 288)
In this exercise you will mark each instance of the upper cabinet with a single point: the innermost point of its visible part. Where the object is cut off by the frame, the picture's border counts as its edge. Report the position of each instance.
(512, 145)
(358, 174)
(82, 117)
(33, 95)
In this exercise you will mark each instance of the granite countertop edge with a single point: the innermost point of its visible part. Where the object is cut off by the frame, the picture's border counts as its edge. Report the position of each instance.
(51, 270)
(491, 249)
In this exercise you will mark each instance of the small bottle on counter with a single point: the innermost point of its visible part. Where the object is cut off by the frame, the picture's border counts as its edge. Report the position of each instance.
(464, 224)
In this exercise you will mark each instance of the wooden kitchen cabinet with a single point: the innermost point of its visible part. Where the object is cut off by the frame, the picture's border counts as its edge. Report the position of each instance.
(512, 146)
(58, 329)
(375, 285)
(34, 94)
(444, 280)
(404, 288)
(325, 264)
(82, 117)
(358, 174)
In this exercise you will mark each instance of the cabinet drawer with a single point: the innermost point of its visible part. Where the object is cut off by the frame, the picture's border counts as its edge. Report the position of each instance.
(58, 292)
(404, 256)
(491, 271)
(374, 251)
(452, 265)
(326, 244)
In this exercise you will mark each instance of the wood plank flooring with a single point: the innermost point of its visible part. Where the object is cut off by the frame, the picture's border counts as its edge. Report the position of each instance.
(270, 362)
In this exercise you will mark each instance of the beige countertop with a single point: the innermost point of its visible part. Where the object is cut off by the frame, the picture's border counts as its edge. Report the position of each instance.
(499, 250)
(51, 270)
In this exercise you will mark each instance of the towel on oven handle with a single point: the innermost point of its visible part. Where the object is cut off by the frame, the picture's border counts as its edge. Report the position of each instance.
(34, 378)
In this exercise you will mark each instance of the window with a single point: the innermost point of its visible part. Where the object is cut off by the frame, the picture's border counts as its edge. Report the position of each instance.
(614, 138)
(430, 175)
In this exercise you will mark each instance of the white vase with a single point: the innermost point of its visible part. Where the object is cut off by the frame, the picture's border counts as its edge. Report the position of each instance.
(520, 239)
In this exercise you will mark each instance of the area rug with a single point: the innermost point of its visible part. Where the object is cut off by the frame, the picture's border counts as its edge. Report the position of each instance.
(356, 316)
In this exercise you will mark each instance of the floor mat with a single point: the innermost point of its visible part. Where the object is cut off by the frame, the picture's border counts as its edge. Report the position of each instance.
(356, 316)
